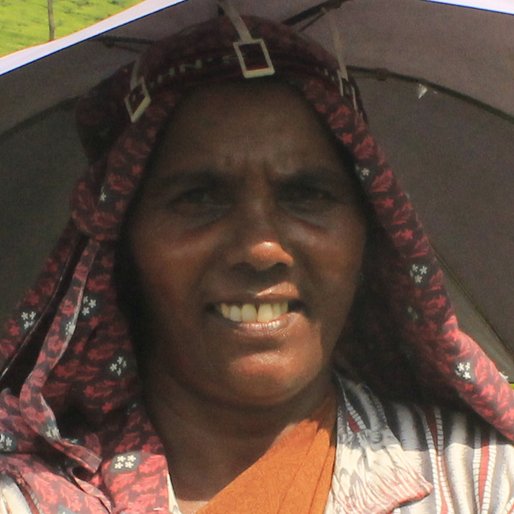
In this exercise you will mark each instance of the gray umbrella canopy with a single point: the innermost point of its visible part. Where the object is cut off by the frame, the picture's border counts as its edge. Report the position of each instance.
(438, 84)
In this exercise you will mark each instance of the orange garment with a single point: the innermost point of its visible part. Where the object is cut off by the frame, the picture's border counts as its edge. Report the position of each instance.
(293, 477)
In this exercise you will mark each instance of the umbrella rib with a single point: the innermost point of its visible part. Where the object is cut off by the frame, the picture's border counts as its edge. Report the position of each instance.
(316, 11)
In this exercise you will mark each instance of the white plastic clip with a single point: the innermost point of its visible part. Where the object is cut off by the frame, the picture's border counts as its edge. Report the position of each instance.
(138, 98)
(338, 44)
(345, 87)
(246, 42)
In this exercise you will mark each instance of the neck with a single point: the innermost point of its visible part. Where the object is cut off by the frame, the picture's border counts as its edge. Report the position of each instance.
(218, 441)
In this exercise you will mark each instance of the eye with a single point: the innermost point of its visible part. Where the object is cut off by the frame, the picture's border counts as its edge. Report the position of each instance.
(306, 197)
(199, 201)
(201, 195)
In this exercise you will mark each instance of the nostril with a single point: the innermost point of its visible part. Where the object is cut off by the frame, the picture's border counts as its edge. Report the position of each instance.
(262, 273)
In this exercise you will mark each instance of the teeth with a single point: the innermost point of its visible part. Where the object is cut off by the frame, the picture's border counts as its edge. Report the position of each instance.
(250, 313)
(265, 313)
(234, 313)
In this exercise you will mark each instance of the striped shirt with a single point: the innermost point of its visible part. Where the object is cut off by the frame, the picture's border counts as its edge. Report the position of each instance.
(405, 459)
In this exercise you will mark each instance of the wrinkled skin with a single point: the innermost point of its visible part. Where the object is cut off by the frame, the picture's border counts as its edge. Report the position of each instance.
(247, 201)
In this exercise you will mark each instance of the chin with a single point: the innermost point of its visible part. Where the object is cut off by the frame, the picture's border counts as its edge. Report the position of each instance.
(271, 385)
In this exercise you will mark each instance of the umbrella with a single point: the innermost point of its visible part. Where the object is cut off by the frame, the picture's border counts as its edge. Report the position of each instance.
(438, 83)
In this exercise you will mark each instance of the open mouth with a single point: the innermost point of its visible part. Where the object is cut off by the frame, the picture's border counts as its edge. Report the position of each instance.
(255, 313)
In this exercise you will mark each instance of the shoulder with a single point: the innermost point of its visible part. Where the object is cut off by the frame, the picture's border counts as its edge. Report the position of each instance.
(420, 426)
(469, 464)
(29, 485)
(11, 497)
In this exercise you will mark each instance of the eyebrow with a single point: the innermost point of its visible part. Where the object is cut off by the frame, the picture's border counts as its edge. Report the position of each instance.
(186, 178)
(316, 175)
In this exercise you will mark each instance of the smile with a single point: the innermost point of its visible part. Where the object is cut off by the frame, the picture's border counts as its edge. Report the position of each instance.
(253, 313)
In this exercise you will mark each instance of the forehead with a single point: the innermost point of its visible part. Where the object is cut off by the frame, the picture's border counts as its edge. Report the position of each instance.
(247, 97)
(249, 120)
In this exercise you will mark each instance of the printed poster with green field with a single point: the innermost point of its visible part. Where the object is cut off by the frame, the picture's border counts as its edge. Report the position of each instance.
(25, 23)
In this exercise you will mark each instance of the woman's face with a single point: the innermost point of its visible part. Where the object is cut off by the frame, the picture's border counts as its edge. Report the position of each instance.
(248, 241)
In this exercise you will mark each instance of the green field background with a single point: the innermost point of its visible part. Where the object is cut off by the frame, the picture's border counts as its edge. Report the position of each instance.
(25, 22)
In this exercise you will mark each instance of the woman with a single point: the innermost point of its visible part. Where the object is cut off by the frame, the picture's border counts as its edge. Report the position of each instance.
(240, 261)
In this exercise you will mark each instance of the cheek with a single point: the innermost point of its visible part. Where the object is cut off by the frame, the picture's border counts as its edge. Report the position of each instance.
(337, 250)
(172, 267)
(168, 286)
(167, 277)
(337, 268)
(166, 255)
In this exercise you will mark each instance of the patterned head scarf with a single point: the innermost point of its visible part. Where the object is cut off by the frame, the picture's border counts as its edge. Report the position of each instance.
(71, 420)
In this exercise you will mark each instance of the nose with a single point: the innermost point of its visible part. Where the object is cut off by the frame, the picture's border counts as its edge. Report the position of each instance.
(263, 255)
(259, 239)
